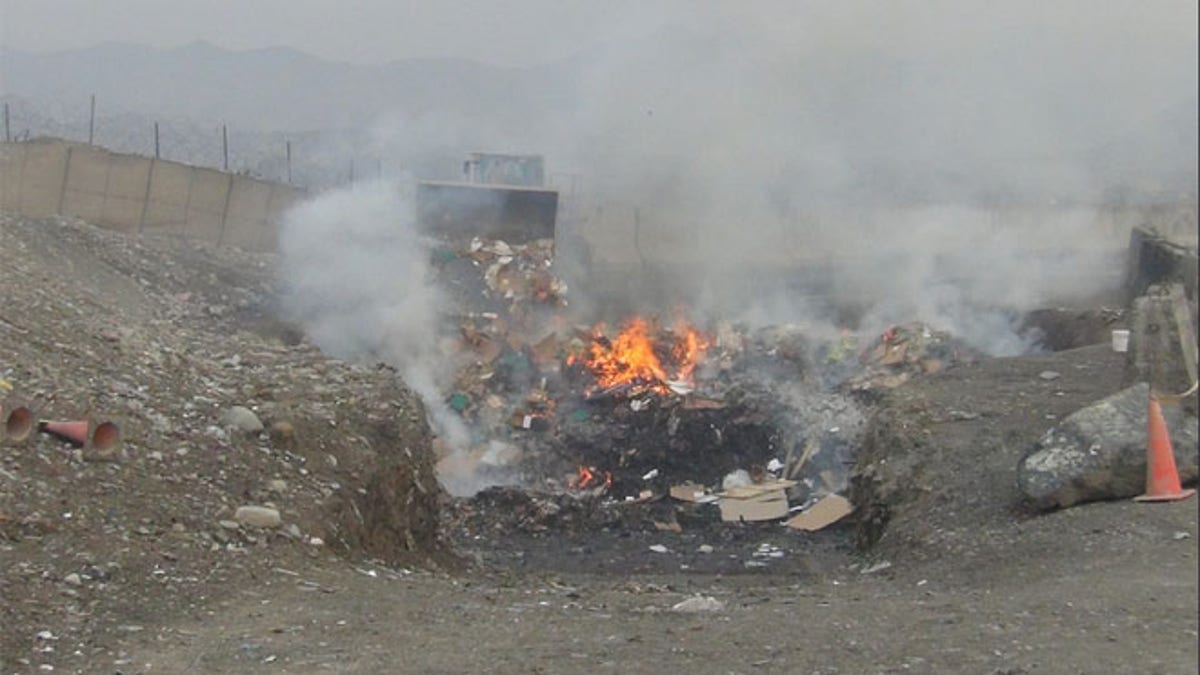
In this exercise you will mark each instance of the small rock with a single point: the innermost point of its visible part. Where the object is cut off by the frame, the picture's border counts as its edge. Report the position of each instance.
(230, 525)
(1049, 375)
(877, 567)
(705, 548)
(278, 486)
(698, 603)
(1178, 536)
(316, 541)
(292, 530)
(258, 516)
(73, 579)
(659, 548)
(241, 419)
(282, 433)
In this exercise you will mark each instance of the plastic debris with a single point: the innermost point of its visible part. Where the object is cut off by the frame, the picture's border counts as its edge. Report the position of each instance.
(698, 604)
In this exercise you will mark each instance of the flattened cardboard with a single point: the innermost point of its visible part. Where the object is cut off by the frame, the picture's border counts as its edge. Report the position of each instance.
(545, 352)
(748, 491)
(764, 506)
(687, 492)
(825, 512)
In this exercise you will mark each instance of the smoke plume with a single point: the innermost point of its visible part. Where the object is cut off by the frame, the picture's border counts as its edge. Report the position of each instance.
(939, 161)
(357, 279)
(852, 163)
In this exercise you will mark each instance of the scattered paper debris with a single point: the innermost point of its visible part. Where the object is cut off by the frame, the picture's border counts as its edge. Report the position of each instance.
(825, 512)
(764, 505)
(747, 491)
(697, 604)
(735, 478)
(877, 567)
(688, 492)
(668, 526)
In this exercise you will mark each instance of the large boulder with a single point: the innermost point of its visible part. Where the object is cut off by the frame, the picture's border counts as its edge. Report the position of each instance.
(1099, 452)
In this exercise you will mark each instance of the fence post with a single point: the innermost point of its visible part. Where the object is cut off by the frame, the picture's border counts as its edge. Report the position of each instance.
(225, 211)
(7, 132)
(225, 145)
(21, 178)
(149, 180)
(62, 192)
(156, 155)
(187, 203)
(92, 120)
(289, 162)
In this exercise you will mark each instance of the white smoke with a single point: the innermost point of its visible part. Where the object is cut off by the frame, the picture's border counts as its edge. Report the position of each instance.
(356, 277)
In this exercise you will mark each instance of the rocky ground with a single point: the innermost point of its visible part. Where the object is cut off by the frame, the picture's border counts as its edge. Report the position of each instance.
(141, 564)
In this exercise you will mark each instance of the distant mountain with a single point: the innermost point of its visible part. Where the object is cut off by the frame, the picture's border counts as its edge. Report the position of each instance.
(276, 89)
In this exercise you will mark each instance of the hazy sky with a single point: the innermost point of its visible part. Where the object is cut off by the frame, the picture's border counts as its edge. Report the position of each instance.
(358, 31)
(525, 32)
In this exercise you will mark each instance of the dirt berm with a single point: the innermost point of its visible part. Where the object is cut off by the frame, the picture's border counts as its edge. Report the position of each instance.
(165, 337)
(938, 469)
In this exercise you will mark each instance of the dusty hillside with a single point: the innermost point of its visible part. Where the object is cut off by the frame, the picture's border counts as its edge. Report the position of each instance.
(165, 338)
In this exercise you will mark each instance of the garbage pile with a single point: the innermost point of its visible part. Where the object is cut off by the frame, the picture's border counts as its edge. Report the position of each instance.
(633, 412)
(491, 276)
(906, 350)
(762, 421)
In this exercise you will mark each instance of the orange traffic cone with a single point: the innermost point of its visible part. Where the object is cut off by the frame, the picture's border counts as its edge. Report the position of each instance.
(1162, 478)
(104, 438)
(18, 423)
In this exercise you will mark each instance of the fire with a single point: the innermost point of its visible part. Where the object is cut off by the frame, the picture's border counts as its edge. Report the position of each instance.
(587, 477)
(634, 359)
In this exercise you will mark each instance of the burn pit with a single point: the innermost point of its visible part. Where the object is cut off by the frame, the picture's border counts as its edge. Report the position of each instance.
(625, 411)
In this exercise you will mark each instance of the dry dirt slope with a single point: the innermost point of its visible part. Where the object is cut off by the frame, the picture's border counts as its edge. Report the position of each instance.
(165, 337)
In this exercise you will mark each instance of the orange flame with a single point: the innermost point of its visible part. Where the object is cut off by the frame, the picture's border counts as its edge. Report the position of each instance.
(634, 358)
(588, 477)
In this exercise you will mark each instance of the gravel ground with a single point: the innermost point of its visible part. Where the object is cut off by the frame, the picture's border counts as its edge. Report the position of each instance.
(139, 565)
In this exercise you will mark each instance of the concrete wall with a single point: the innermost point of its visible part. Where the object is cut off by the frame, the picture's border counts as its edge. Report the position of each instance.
(135, 194)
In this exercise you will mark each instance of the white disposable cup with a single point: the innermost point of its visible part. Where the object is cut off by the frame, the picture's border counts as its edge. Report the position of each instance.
(1120, 340)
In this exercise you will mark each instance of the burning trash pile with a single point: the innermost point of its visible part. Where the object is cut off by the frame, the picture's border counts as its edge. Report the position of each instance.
(907, 350)
(757, 420)
(493, 276)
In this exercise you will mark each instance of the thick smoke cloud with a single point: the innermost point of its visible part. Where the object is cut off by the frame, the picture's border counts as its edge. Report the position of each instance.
(931, 160)
(357, 278)
(826, 163)
(774, 161)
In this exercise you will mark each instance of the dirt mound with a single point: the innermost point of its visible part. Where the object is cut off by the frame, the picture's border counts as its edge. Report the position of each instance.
(940, 455)
(1058, 329)
(166, 337)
